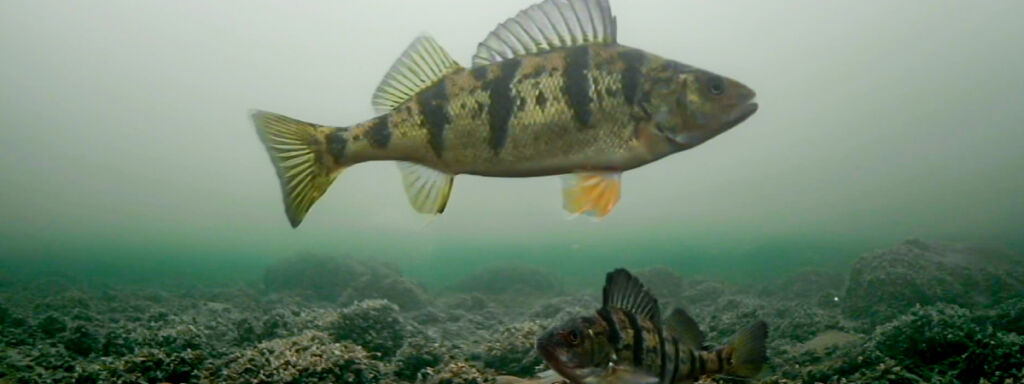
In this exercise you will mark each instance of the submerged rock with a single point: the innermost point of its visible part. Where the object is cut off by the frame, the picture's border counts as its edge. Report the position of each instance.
(372, 324)
(458, 372)
(887, 283)
(511, 351)
(511, 280)
(307, 358)
(344, 280)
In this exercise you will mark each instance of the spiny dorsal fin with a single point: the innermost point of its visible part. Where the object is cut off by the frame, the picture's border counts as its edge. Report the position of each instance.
(427, 188)
(624, 291)
(419, 66)
(547, 26)
(684, 328)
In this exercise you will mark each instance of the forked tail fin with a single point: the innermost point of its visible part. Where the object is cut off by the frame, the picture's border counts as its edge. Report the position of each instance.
(299, 152)
(748, 351)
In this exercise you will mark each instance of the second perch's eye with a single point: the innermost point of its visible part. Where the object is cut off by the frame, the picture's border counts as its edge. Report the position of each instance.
(573, 337)
(716, 86)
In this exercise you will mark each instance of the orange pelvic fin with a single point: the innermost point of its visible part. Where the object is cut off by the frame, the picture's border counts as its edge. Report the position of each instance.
(591, 193)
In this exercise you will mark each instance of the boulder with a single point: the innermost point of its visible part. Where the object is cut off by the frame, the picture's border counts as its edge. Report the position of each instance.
(511, 280)
(887, 283)
(344, 280)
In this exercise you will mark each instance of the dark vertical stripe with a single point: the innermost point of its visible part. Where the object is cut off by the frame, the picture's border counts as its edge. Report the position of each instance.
(433, 104)
(499, 112)
(577, 85)
(691, 364)
(699, 370)
(720, 358)
(661, 353)
(614, 334)
(638, 339)
(632, 74)
(675, 352)
(480, 73)
(379, 133)
(336, 143)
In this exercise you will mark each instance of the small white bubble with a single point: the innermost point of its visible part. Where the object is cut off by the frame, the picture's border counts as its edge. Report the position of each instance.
(835, 298)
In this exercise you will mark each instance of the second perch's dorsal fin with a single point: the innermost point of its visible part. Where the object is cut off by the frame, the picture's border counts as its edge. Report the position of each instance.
(419, 66)
(624, 291)
(546, 26)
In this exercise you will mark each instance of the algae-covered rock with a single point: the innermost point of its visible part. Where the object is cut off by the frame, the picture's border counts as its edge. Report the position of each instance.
(344, 280)
(511, 351)
(156, 366)
(511, 280)
(887, 283)
(51, 325)
(372, 324)
(307, 358)
(809, 285)
(673, 290)
(417, 357)
(458, 372)
(941, 343)
(81, 340)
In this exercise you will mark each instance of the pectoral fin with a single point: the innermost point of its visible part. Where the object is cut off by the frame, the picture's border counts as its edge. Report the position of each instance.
(591, 193)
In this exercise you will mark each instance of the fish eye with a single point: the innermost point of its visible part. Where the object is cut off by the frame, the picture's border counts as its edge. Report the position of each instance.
(573, 337)
(716, 86)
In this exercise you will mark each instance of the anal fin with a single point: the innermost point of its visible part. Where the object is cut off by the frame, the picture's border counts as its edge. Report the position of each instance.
(427, 188)
(591, 193)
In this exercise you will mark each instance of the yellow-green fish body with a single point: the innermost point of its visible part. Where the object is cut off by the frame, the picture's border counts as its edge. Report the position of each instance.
(628, 342)
(543, 98)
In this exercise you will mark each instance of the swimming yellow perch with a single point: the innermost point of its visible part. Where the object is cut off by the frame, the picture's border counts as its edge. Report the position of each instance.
(550, 92)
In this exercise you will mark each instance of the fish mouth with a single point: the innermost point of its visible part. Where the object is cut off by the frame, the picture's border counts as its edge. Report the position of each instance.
(550, 356)
(740, 114)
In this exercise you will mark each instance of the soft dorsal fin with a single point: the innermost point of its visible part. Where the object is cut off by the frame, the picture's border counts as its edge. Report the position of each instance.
(624, 291)
(419, 66)
(546, 26)
(684, 328)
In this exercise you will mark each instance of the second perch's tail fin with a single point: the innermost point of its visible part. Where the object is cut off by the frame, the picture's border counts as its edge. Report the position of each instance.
(299, 153)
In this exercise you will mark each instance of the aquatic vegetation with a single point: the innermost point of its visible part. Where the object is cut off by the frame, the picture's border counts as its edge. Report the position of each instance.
(418, 356)
(373, 324)
(311, 357)
(343, 280)
(939, 343)
(511, 350)
(81, 340)
(51, 325)
(887, 283)
(240, 335)
(458, 372)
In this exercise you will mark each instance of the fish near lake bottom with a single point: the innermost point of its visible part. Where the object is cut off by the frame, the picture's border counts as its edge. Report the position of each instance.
(626, 341)
(550, 92)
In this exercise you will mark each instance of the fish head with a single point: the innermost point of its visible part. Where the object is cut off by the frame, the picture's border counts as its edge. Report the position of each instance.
(690, 105)
(578, 349)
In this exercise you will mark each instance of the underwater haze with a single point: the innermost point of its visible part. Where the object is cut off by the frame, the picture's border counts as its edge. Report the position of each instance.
(126, 133)
(128, 157)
